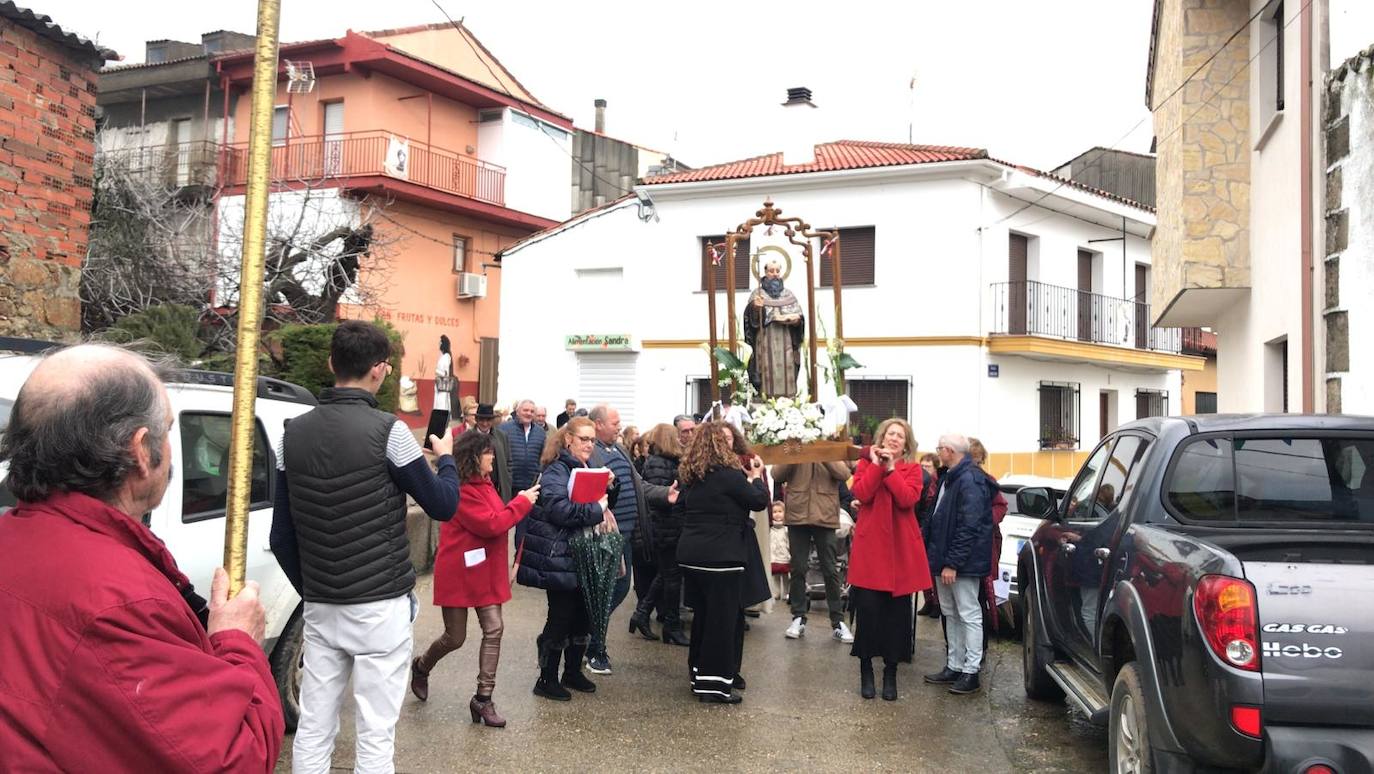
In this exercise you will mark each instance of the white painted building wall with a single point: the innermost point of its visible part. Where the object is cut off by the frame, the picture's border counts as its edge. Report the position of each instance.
(535, 154)
(607, 272)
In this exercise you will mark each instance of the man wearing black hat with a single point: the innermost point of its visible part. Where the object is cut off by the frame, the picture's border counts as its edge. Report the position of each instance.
(486, 420)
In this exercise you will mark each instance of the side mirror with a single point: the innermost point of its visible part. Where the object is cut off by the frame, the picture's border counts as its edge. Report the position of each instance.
(1035, 502)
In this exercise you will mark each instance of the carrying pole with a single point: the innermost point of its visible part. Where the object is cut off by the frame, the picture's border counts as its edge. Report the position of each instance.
(250, 302)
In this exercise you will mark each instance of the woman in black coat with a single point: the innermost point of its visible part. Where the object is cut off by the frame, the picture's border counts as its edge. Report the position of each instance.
(546, 560)
(718, 497)
(660, 467)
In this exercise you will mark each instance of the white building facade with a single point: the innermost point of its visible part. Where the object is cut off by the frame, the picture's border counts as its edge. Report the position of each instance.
(979, 297)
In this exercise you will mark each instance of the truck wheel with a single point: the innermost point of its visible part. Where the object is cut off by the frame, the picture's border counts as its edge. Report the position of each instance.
(286, 667)
(1035, 676)
(1128, 736)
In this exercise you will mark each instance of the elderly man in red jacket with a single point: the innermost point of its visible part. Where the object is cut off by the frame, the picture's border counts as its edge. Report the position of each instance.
(105, 664)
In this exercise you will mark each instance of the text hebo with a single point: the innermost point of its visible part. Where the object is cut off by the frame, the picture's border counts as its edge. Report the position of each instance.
(1274, 650)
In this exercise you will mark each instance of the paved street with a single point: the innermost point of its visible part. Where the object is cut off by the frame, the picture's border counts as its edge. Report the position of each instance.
(801, 712)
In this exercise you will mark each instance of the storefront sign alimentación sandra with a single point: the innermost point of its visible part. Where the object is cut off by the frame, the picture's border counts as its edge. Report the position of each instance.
(597, 342)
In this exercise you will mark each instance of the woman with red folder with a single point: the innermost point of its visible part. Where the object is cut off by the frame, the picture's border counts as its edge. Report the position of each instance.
(546, 559)
(470, 572)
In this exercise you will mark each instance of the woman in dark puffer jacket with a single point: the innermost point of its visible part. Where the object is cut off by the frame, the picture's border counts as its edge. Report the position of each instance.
(660, 467)
(546, 560)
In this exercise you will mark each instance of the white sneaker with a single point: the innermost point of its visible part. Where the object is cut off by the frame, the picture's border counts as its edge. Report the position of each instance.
(843, 634)
(797, 629)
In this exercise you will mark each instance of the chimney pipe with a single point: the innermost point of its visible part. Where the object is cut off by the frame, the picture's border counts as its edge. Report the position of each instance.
(600, 105)
(798, 127)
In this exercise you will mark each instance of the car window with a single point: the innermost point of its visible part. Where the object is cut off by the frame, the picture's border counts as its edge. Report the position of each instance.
(205, 466)
(1304, 479)
(1079, 505)
(1202, 486)
(5, 405)
(1257, 480)
(1112, 488)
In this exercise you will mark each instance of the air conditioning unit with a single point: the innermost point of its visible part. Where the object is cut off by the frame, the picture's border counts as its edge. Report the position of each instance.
(472, 285)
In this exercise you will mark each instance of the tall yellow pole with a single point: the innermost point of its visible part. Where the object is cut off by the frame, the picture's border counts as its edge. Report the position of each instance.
(250, 293)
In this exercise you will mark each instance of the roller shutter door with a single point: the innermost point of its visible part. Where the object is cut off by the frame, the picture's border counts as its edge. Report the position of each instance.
(608, 377)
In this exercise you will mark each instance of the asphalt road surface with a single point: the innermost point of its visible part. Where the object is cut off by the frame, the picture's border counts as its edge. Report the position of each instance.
(801, 712)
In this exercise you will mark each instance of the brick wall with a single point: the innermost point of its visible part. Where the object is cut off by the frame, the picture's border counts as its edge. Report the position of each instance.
(47, 140)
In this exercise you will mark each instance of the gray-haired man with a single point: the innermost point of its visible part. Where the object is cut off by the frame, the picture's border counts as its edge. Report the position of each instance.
(959, 548)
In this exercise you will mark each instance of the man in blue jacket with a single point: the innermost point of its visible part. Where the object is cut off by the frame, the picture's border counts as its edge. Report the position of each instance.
(959, 548)
(526, 444)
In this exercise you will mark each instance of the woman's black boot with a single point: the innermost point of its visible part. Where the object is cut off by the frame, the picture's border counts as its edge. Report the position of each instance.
(866, 689)
(889, 682)
(639, 620)
(672, 635)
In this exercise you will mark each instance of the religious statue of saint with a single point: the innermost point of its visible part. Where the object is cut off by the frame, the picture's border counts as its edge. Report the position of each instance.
(773, 323)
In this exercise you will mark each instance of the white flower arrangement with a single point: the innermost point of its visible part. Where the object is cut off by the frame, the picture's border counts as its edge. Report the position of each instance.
(779, 420)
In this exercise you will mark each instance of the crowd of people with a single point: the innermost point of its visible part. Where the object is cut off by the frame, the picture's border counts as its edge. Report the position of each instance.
(685, 497)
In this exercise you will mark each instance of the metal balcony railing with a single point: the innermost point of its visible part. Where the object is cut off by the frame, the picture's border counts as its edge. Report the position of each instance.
(320, 158)
(178, 164)
(1196, 341)
(1038, 309)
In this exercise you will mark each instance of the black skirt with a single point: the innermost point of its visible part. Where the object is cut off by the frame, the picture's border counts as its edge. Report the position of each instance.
(885, 625)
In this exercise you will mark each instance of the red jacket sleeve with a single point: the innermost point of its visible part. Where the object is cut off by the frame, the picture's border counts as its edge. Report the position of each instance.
(868, 478)
(486, 519)
(146, 685)
(905, 485)
(999, 508)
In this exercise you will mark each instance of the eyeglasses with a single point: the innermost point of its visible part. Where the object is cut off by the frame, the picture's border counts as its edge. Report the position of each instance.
(943, 448)
(585, 438)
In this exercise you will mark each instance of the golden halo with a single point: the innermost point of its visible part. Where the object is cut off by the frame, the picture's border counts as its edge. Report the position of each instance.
(754, 261)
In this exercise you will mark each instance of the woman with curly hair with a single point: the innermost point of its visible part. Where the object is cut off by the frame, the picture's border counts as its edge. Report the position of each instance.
(718, 496)
(477, 532)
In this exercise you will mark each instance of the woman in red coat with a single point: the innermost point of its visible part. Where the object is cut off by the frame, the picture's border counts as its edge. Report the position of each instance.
(470, 572)
(887, 560)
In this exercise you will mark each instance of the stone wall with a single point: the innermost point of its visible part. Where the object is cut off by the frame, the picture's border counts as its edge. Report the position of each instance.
(1202, 131)
(47, 139)
(1348, 306)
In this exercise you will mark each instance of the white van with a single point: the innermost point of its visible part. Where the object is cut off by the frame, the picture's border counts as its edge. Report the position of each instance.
(190, 519)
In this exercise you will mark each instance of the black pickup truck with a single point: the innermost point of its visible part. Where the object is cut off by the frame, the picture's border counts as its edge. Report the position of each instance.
(1205, 588)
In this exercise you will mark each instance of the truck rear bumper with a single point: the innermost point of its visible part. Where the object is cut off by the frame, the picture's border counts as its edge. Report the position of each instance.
(1291, 749)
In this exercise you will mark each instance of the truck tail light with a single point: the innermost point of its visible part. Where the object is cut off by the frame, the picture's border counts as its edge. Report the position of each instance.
(1247, 720)
(1319, 768)
(1229, 617)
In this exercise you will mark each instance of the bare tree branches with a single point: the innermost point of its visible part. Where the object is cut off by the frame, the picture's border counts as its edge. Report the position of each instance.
(155, 242)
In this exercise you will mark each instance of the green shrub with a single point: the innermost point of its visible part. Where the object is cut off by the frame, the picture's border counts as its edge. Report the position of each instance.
(169, 329)
(301, 355)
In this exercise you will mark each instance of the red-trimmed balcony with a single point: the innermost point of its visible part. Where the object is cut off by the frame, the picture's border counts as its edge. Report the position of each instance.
(386, 163)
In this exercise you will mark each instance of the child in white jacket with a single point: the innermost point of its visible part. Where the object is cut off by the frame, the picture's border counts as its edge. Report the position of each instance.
(779, 551)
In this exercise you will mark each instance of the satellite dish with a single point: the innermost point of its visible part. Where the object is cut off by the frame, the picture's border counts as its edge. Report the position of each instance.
(300, 77)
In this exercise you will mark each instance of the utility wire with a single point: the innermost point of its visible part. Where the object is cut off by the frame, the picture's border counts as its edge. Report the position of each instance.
(1161, 103)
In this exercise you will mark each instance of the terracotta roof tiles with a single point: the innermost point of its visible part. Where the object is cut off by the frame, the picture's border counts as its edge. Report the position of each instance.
(830, 157)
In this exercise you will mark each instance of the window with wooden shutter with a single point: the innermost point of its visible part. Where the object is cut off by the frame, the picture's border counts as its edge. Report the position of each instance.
(741, 262)
(1151, 403)
(699, 400)
(856, 256)
(878, 399)
(1059, 415)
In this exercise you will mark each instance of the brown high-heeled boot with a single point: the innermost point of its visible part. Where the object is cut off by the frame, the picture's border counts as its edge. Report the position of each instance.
(419, 680)
(483, 710)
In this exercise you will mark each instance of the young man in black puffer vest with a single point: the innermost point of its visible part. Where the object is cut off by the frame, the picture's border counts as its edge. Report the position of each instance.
(339, 533)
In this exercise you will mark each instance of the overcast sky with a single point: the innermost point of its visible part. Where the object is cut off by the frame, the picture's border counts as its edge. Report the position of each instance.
(1033, 82)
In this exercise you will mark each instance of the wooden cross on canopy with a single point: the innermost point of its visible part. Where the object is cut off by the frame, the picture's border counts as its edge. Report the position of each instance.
(799, 233)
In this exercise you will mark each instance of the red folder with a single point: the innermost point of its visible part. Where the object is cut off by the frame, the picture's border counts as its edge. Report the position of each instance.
(588, 485)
